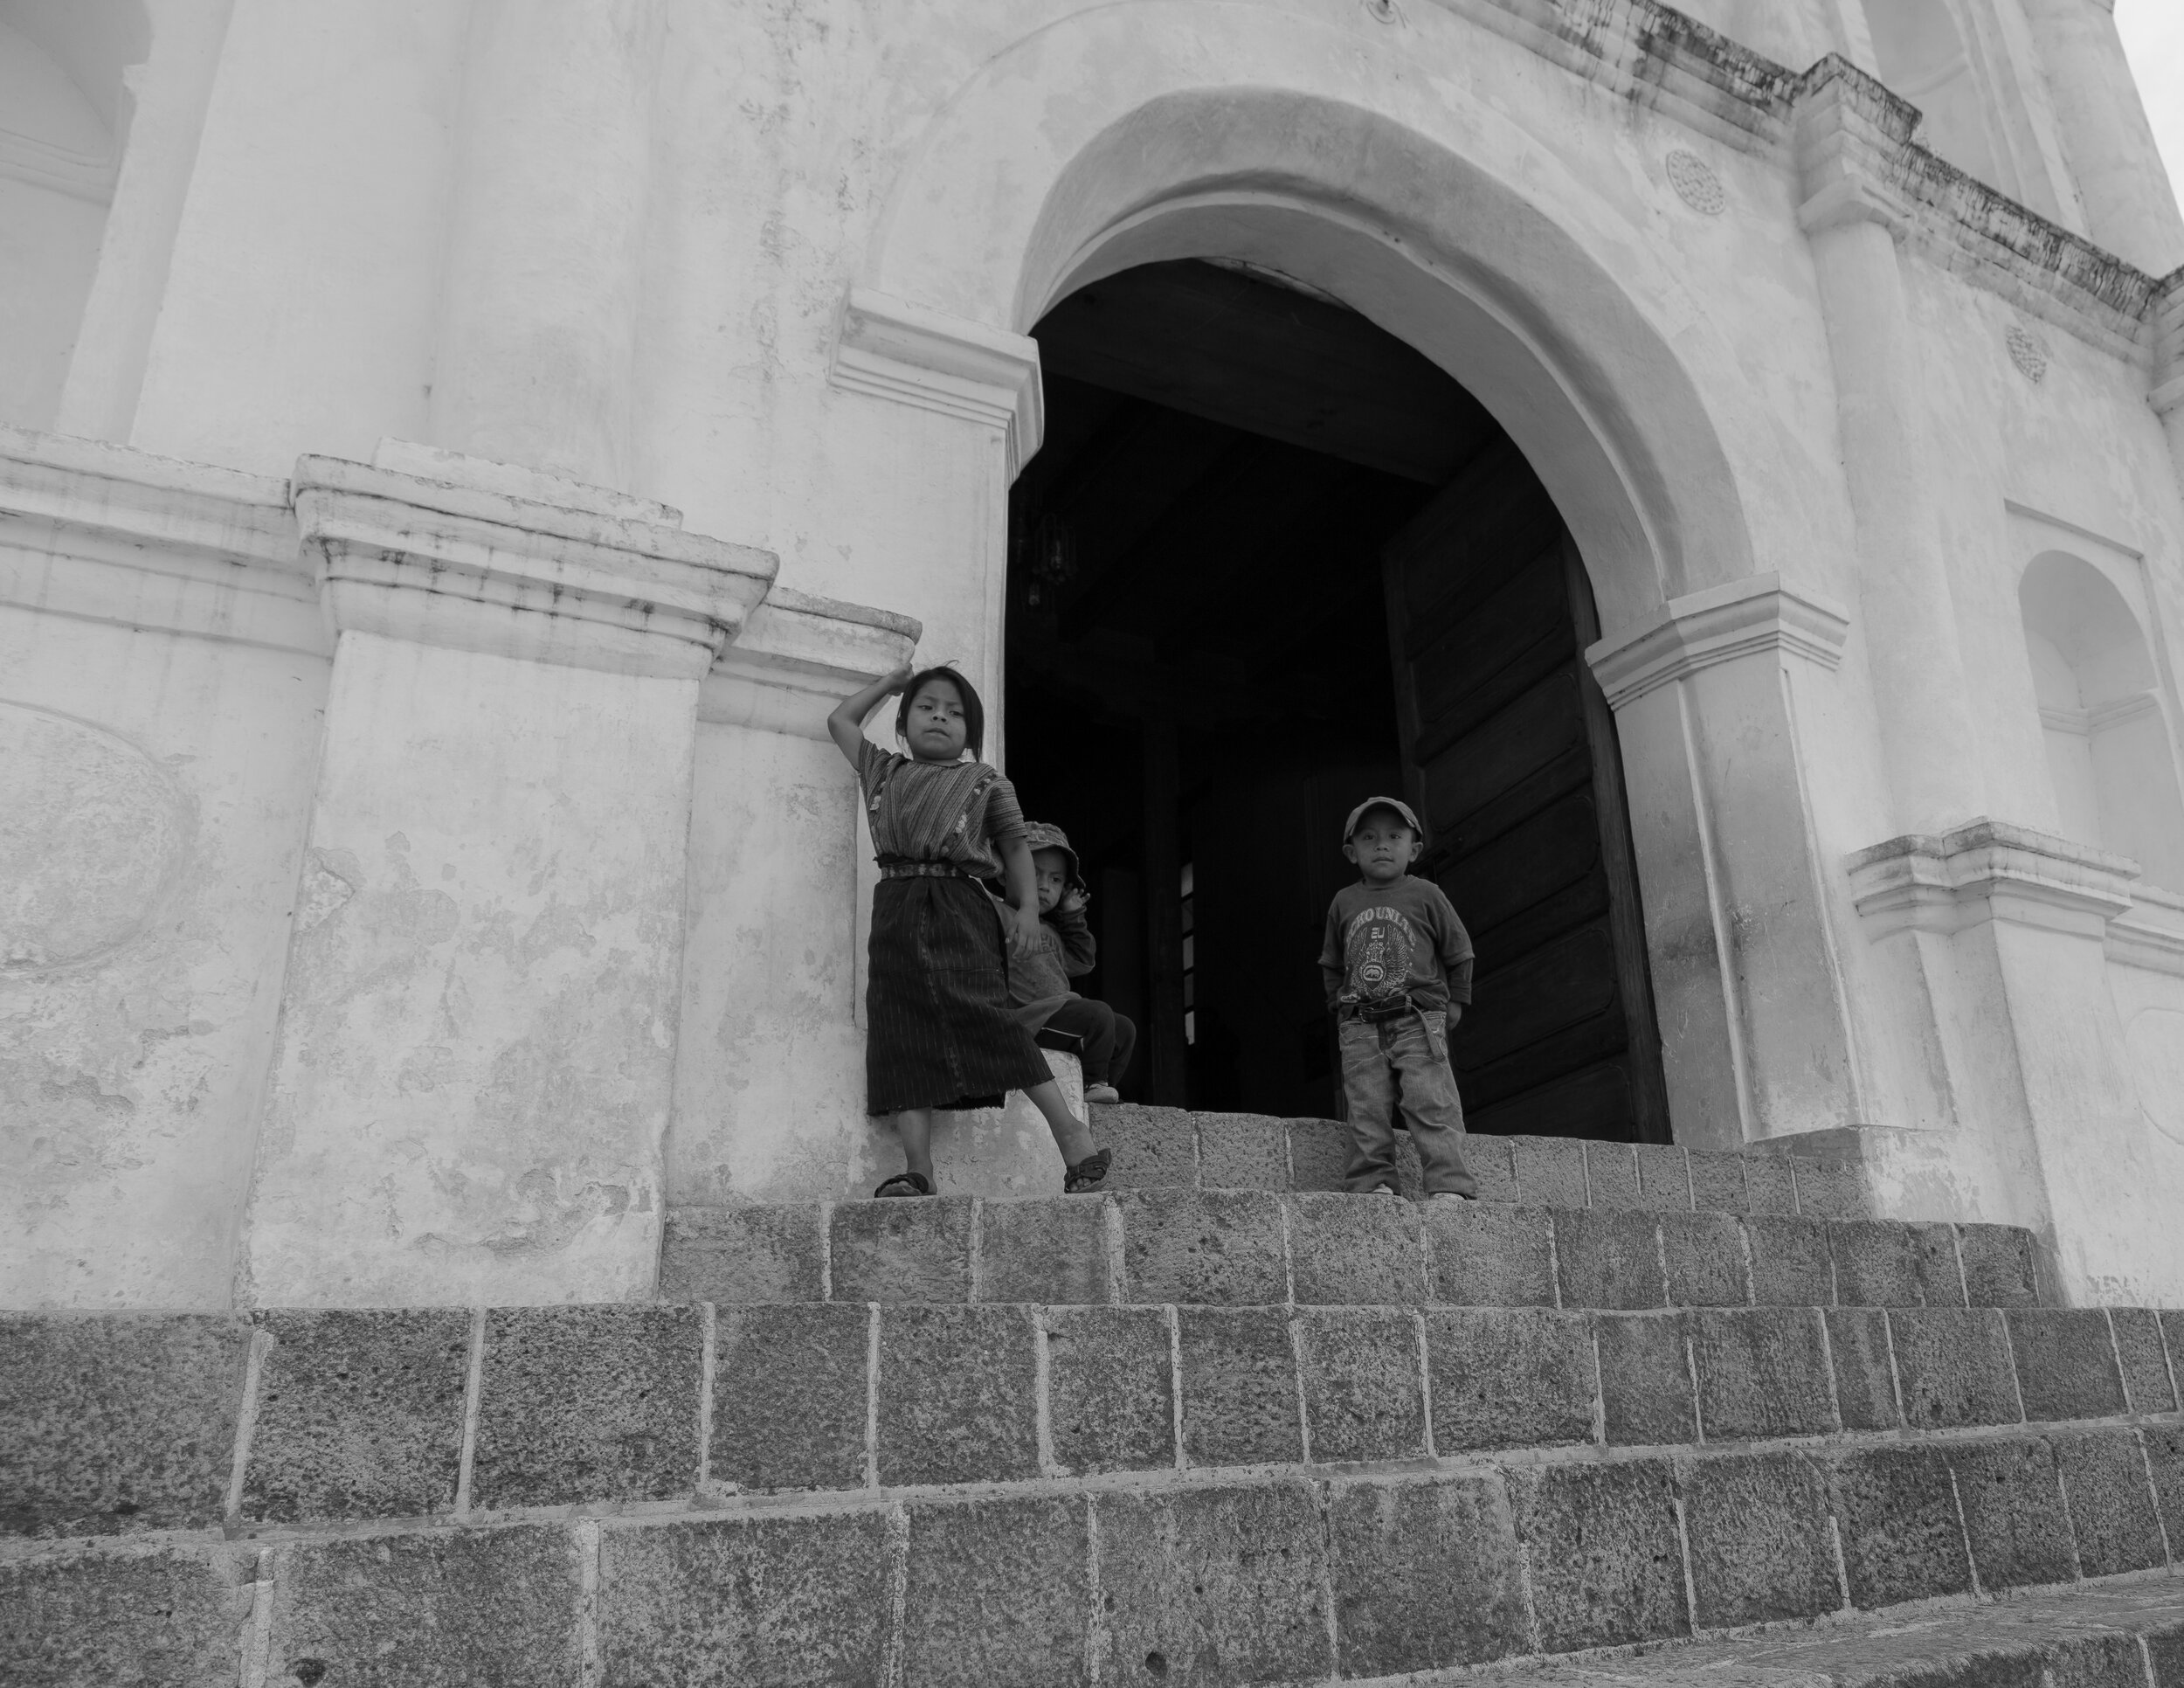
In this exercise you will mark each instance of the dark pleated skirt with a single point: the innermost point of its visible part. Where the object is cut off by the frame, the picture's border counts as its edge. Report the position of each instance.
(941, 1032)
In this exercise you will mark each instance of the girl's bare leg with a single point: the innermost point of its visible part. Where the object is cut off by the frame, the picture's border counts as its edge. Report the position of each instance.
(1072, 1135)
(914, 1127)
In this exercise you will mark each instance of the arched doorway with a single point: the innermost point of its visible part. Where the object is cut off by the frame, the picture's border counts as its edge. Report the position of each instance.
(1269, 561)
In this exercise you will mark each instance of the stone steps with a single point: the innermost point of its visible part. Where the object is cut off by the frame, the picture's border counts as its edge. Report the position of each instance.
(1259, 1248)
(1171, 1147)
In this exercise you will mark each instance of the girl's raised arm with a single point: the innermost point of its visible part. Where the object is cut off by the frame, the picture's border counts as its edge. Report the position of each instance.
(847, 725)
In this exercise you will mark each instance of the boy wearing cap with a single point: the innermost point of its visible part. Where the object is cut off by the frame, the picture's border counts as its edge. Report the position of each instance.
(1397, 964)
(1038, 981)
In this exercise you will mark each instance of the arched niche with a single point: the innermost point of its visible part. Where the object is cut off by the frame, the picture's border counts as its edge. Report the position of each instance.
(64, 120)
(1922, 56)
(2111, 759)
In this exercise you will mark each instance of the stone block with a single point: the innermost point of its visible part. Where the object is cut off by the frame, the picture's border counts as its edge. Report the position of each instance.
(1111, 1389)
(1486, 1158)
(1427, 1576)
(1896, 1511)
(998, 1591)
(900, 1250)
(1319, 1151)
(1880, 1263)
(1154, 1148)
(1790, 1262)
(1609, 1260)
(2146, 1364)
(1760, 1547)
(1410, 1176)
(2164, 1445)
(1611, 1177)
(1953, 1366)
(2066, 1363)
(1486, 1256)
(360, 1414)
(448, 1607)
(1214, 1588)
(2165, 1654)
(1940, 1273)
(2014, 1516)
(117, 1421)
(1242, 1151)
(1865, 1376)
(581, 1404)
(1240, 1404)
(958, 1394)
(1510, 1377)
(768, 1601)
(1052, 1251)
(1762, 1373)
(744, 1255)
(2111, 1504)
(790, 1402)
(1364, 1379)
(1356, 1250)
(1770, 1186)
(1645, 1378)
(1219, 1247)
(1607, 1566)
(125, 1619)
(1664, 1178)
(1704, 1256)
(1718, 1181)
(1830, 1189)
(1549, 1171)
(2001, 1267)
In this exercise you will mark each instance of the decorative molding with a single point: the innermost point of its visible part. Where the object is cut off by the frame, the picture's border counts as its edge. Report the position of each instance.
(79, 175)
(2057, 719)
(102, 533)
(1695, 182)
(893, 349)
(1746, 618)
(2167, 394)
(797, 657)
(470, 567)
(1990, 870)
(2149, 934)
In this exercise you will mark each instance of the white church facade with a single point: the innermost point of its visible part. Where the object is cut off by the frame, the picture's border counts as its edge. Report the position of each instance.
(456, 454)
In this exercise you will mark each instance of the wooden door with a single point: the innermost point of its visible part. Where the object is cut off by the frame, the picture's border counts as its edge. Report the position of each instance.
(1510, 760)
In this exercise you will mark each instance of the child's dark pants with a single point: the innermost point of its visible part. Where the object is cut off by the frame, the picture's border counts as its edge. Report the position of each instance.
(1110, 1039)
(1402, 1064)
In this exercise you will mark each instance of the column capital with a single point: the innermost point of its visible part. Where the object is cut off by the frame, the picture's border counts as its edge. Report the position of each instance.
(1847, 128)
(469, 562)
(797, 658)
(1718, 625)
(894, 349)
(1990, 870)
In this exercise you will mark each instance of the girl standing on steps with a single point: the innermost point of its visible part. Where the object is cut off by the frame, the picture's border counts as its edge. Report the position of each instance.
(941, 1032)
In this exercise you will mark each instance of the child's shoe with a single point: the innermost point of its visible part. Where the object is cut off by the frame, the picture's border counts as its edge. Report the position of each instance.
(1105, 1094)
(906, 1183)
(1452, 1196)
(1088, 1173)
(1387, 1189)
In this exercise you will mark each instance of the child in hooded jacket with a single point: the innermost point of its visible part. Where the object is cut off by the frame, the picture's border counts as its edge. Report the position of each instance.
(1065, 949)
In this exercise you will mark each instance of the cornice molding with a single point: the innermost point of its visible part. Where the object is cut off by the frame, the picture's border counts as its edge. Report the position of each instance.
(1990, 870)
(470, 567)
(2167, 316)
(893, 349)
(79, 175)
(797, 658)
(1723, 623)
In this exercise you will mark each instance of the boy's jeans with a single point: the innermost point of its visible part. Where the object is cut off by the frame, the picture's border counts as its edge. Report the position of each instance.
(1402, 1063)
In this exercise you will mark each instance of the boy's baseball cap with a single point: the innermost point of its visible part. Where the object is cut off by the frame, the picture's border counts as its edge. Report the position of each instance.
(1045, 835)
(1410, 819)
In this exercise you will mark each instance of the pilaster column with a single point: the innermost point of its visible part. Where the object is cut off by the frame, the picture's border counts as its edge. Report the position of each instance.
(2167, 397)
(2130, 206)
(476, 1055)
(538, 330)
(1848, 126)
(1704, 694)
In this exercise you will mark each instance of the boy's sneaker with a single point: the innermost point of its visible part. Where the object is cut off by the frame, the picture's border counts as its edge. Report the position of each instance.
(1387, 1189)
(1452, 1195)
(1106, 1095)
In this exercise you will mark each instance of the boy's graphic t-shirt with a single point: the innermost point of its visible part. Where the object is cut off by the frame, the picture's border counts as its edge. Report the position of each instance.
(1384, 940)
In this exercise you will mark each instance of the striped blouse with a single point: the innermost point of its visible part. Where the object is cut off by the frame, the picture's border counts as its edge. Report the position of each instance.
(959, 811)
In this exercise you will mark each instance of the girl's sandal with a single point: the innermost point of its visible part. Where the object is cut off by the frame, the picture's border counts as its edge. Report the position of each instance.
(1088, 1173)
(906, 1183)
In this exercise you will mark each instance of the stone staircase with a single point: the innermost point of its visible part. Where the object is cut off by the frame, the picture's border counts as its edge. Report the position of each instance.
(1641, 1415)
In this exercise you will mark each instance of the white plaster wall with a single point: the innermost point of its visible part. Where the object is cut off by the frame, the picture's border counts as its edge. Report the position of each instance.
(130, 1079)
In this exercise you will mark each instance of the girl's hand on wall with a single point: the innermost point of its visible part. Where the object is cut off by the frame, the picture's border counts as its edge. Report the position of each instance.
(895, 679)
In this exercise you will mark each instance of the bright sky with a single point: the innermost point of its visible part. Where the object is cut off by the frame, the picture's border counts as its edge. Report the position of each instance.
(2153, 36)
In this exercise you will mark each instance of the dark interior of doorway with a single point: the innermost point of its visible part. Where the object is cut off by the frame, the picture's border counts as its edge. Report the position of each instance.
(1270, 560)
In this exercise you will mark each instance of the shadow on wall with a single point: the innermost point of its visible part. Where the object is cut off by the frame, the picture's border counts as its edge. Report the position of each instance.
(64, 114)
(2111, 757)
